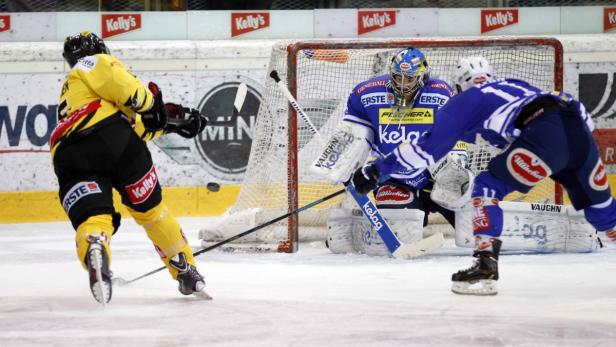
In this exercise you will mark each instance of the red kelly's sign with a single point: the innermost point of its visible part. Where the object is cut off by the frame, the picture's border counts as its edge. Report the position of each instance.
(368, 21)
(115, 24)
(243, 22)
(609, 18)
(496, 19)
(5, 23)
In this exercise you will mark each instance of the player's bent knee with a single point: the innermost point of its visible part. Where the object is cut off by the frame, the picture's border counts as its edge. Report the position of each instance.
(602, 216)
(165, 232)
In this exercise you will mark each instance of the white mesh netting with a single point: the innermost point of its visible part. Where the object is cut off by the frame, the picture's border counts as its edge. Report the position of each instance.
(321, 75)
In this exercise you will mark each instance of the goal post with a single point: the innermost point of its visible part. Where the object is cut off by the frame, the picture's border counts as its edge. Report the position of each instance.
(320, 74)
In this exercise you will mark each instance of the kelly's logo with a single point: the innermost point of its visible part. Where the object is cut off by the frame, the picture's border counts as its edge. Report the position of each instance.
(115, 24)
(141, 190)
(496, 19)
(368, 21)
(5, 23)
(244, 22)
(609, 18)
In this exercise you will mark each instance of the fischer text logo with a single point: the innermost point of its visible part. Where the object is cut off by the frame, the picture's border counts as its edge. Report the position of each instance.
(115, 24)
(5, 23)
(609, 18)
(244, 22)
(496, 19)
(368, 21)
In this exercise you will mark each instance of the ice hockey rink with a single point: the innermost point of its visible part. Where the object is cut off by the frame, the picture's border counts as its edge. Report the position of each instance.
(310, 298)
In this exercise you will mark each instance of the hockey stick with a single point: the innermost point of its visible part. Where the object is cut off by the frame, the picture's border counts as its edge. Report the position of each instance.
(397, 249)
(121, 282)
(240, 97)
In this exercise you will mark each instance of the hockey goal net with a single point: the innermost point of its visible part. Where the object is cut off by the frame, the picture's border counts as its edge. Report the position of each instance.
(320, 74)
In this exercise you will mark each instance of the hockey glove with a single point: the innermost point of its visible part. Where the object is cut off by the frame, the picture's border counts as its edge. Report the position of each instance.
(366, 179)
(184, 121)
(156, 117)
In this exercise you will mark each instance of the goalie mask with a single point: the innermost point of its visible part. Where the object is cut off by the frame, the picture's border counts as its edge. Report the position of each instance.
(82, 45)
(409, 71)
(472, 71)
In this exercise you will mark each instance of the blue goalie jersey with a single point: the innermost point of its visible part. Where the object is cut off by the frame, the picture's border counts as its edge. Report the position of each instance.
(371, 104)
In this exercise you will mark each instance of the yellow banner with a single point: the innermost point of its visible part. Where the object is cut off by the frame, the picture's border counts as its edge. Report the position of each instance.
(416, 115)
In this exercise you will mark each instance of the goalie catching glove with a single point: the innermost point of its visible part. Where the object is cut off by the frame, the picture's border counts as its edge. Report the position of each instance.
(453, 182)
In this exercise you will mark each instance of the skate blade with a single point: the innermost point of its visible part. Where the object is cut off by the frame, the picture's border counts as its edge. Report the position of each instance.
(101, 289)
(481, 287)
(203, 295)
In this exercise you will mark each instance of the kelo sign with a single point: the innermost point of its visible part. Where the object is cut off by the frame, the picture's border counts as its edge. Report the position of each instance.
(115, 24)
(496, 19)
(244, 22)
(368, 21)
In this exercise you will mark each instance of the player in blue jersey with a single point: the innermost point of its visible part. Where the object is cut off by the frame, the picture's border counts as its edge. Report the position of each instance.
(392, 108)
(542, 134)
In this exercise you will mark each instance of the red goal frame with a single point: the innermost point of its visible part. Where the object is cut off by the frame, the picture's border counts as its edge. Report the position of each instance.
(291, 244)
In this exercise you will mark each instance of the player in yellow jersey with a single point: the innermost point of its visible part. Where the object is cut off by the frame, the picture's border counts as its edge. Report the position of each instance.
(105, 116)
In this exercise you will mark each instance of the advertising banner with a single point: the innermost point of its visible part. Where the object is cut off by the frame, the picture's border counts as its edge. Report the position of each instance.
(351, 23)
(609, 19)
(124, 25)
(220, 154)
(216, 25)
(33, 27)
(505, 21)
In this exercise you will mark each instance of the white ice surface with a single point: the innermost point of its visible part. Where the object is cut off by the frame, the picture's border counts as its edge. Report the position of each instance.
(311, 298)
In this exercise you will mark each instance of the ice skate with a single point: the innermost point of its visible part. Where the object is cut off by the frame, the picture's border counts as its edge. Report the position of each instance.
(481, 277)
(98, 269)
(190, 281)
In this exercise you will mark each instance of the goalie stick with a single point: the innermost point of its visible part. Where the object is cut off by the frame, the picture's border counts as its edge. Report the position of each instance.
(121, 281)
(397, 249)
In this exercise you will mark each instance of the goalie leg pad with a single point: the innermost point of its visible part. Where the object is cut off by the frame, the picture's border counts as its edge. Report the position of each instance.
(340, 231)
(534, 227)
(407, 224)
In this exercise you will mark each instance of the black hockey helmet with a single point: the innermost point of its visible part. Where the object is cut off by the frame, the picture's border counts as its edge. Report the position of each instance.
(82, 45)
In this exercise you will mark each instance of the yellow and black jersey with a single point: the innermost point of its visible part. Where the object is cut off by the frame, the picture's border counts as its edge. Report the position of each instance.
(97, 89)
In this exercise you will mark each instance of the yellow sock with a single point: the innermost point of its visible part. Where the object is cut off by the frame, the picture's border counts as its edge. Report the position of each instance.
(96, 225)
(166, 234)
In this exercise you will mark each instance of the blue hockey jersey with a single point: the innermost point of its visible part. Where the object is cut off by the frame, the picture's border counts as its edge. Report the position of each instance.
(489, 110)
(371, 104)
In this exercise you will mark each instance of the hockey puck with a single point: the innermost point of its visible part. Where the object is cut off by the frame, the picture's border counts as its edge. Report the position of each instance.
(213, 187)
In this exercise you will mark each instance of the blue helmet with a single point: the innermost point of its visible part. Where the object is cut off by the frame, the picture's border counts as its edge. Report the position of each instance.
(409, 71)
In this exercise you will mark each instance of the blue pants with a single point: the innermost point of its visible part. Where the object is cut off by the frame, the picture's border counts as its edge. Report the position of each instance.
(559, 145)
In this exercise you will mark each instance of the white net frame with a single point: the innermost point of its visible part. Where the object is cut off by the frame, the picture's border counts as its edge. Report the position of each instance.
(320, 74)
